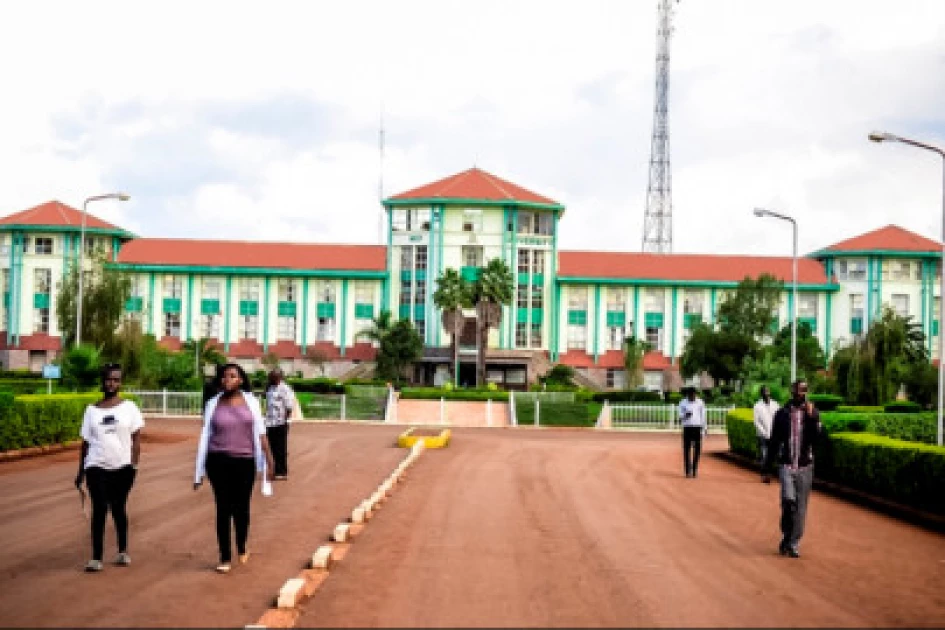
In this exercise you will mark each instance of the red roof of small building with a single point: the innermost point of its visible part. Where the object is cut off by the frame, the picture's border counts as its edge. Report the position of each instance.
(685, 267)
(300, 256)
(475, 184)
(56, 214)
(613, 359)
(889, 238)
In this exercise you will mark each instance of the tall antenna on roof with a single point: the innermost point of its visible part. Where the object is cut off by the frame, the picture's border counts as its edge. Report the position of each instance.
(380, 177)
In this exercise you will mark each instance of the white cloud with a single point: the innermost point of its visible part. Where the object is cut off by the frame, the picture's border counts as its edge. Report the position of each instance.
(238, 120)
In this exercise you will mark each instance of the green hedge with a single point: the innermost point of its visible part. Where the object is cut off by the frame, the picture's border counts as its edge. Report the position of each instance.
(906, 472)
(316, 385)
(564, 414)
(826, 402)
(911, 427)
(435, 393)
(902, 406)
(630, 395)
(38, 420)
(859, 409)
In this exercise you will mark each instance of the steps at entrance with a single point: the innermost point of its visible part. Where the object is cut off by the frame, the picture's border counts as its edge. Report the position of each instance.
(456, 413)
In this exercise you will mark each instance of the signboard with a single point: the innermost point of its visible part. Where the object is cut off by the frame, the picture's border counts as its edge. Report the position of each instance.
(52, 371)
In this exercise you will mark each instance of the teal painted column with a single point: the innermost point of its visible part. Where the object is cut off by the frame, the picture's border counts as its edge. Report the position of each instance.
(790, 306)
(672, 341)
(14, 281)
(868, 311)
(66, 246)
(505, 243)
(556, 314)
(554, 275)
(226, 314)
(266, 315)
(879, 287)
(712, 298)
(596, 322)
(151, 304)
(116, 245)
(190, 304)
(304, 344)
(636, 311)
(344, 314)
(387, 285)
(514, 267)
(437, 323)
(829, 330)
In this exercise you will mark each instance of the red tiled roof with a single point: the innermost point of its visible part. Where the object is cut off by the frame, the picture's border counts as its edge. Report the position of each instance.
(612, 359)
(302, 256)
(56, 214)
(889, 238)
(656, 361)
(474, 184)
(685, 267)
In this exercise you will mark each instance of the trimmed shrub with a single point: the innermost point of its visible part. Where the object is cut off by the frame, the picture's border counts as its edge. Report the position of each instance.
(910, 427)
(629, 396)
(858, 409)
(902, 406)
(42, 419)
(825, 402)
(740, 427)
(835, 422)
(557, 414)
(435, 393)
(315, 385)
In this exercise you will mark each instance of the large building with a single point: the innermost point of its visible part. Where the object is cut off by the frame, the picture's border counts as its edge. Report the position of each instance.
(573, 307)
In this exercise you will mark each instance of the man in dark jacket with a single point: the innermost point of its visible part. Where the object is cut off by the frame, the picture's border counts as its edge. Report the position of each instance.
(795, 431)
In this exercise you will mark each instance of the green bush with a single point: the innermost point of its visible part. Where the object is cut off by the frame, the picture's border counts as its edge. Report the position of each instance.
(906, 472)
(740, 427)
(435, 393)
(910, 427)
(673, 398)
(42, 419)
(315, 385)
(561, 414)
(837, 422)
(628, 395)
(858, 409)
(826, 402)
(902, 406)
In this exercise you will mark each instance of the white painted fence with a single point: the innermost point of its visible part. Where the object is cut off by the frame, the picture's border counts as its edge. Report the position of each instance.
(664, 417)
(166, 403)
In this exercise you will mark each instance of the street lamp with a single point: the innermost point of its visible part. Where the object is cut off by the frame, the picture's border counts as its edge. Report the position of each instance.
(761, 212)
(78, 317)
(882, 136)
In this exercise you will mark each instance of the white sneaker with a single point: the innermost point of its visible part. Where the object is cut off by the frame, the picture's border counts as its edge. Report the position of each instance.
(94, 566)
(123, 559)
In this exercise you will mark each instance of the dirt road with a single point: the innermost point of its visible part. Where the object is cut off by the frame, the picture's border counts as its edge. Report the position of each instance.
(559, 528)
(173, 544)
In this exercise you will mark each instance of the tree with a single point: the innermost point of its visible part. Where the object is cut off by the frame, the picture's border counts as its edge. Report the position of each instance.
(380, 327)
(104, 294)
(490, 292)
(750, 309)
(81, 366)
(810, 356)
(270, 360)
(206, 352)
(451, 295)
(633, 351)
(317, 358)
(720, 353)
(400, 347)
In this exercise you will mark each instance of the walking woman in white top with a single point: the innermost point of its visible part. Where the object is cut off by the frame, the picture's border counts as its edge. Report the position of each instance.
(233, 446)
(111, 449)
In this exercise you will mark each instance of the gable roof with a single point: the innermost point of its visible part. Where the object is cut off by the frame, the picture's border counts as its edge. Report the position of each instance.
(685, 267)
(57, 214)
(476, 185)
(888, 238)
(257, 255)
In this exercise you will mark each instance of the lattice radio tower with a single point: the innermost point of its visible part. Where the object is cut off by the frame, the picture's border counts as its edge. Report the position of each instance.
(658, 220)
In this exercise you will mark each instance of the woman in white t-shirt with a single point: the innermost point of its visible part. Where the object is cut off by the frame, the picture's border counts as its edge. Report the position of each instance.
(111, 448)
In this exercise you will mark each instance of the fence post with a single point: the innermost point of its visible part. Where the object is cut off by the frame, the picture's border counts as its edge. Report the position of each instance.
(513, 420)
(442, 410)
(537, 410)
(344, 398)
(489, 412)
(164, 401)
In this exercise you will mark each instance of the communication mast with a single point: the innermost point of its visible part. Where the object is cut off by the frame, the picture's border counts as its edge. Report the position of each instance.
(658, 220)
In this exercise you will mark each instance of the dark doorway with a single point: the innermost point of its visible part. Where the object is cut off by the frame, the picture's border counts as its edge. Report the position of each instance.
(467, 374)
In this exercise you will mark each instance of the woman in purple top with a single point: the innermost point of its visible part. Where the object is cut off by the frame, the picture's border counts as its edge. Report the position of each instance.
(232, 447)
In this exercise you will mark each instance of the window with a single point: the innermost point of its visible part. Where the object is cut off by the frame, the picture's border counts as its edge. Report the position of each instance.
(210, 289)
(851, 269)
(654, 300)
(44, 245)
(41, 320)
(897, 270)
(286, 329)
(421, 325)
(172, 324)
(541, 223)
(577, 337)
(536, 335)
(525, 222)
(472, 222)
(515, 376)
(406, 257)
(420, 297)
(615, 337)
(398, 221)
(522, 296)
(405, 295)
(521, 335)
(577, 299)
(421, 257)
(545, 224)
(419, 220)
(537, 296)
(363, 293)
(249, 291)
(173, 287)
(807, 305)
(616, 379)
(856, 313)
(326, 293)
(42, 281)
(287, 290)
(617, 300)
(693, 302)
(538, 261)
(472, 256)
(248, 326)
(326, 329)
(654, 337)
(210, 326)
(900, 304)
(523, 258)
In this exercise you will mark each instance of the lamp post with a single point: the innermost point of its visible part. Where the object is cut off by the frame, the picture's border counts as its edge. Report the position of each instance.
(881, 136)
(78, 317)
(761, 212)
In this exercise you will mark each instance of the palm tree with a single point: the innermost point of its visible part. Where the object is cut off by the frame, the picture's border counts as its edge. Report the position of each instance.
(382, 325)
(490, 292)
(633, 351)
(204, 353)
(451, 295)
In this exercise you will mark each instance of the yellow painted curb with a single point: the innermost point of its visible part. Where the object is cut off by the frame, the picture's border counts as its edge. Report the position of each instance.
(408, 440)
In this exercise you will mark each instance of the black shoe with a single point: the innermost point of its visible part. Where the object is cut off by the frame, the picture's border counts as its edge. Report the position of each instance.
(783, 548)
(792, 552)
(688, 475)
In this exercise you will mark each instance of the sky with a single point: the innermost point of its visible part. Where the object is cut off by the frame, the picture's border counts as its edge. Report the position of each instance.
(259, 121)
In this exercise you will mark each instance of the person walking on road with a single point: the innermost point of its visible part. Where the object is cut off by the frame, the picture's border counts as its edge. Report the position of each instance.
(280, 403)
(794, 434)
(232, 447)
(108, 463)
(765, 409)
(692, 418)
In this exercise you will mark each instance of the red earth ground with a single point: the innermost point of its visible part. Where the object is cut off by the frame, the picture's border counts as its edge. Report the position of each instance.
(525, 527)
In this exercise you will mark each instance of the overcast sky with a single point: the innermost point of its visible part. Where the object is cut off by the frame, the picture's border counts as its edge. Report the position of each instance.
(260, 120)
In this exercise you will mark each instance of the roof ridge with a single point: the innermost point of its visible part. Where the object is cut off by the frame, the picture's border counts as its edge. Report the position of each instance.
(494, 180)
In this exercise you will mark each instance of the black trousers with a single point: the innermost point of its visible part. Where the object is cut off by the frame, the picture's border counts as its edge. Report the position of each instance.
(795, 493)
(692, 448)
(108, 490)
(279, 444)
(232, 480)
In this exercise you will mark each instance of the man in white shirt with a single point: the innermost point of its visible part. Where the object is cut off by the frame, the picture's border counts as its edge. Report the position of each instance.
(764, 416)
(280, 401)
(692, 418)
